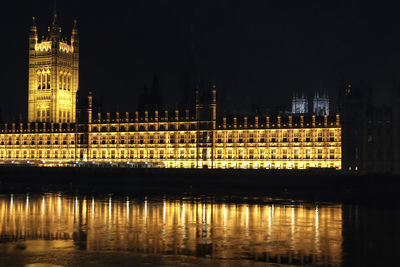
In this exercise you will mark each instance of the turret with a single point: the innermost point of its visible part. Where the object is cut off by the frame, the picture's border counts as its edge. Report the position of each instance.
(90, 107)
(33, 36)
(75, 37)
(55, 29)
(213, 104)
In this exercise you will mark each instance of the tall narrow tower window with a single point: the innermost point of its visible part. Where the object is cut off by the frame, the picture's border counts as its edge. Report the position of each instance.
(43, 80)
(48, 79)
(39, 80)
(69, 82)
(60, 81)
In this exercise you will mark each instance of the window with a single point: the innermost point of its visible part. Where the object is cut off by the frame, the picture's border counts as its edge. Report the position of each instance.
(240, 138)
(331, 153)
(285, 137)
(319, 136)
(331, 136)
(284, 152)
(251, 154)
(48, 80)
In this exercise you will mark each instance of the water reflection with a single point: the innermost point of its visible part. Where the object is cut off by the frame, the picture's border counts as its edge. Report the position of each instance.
(293, 234)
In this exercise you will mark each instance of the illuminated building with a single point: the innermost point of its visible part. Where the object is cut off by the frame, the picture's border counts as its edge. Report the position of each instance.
(190, 139)
(53, 75)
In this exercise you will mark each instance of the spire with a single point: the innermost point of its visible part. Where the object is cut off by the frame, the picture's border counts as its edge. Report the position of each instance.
(33, 26)
(55, 20)
(75, 27)
(74, 35)
(55, 28)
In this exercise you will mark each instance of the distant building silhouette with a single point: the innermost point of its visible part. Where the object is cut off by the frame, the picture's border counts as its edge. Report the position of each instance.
(321, 104)
(299, 104)
(370, 133)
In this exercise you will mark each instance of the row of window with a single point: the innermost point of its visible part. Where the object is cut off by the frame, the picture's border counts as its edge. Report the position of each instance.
(44, 78)
(171, 154)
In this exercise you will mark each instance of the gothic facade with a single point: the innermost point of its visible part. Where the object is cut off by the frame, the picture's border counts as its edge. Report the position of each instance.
(190, 138)
(53, 75)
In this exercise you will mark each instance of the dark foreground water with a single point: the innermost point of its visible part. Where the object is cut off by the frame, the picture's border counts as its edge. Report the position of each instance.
(61, 230)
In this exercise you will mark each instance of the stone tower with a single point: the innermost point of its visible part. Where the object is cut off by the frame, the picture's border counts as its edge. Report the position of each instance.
(321, 104)
(53, 74)
(299, 104)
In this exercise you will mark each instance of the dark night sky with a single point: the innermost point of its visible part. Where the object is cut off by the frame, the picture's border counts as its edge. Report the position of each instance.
(257, 51)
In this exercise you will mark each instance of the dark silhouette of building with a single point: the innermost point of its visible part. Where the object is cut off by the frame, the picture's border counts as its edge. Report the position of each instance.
(370, 133)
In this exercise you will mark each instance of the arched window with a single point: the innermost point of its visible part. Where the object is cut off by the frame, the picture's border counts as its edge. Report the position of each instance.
(48, 79)
(39, 80)
(69, 81)
(61, 81)
(43, 80)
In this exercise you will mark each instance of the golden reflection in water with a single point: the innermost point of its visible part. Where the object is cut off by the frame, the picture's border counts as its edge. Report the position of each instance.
(294, 234)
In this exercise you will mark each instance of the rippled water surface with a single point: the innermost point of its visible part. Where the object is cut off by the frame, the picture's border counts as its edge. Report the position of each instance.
(59, 230)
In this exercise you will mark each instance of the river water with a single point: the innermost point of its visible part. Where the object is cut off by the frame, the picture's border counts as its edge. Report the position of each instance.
(62, 230)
